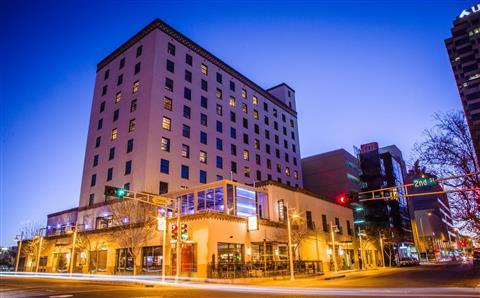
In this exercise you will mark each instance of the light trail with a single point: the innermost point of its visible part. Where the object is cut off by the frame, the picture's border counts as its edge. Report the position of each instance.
(200, 283)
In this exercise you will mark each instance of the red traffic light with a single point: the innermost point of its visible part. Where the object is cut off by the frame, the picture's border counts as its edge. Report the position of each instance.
(342, 200)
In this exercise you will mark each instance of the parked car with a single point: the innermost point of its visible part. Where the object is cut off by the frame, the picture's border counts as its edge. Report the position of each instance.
(408, 262)
(476, 257)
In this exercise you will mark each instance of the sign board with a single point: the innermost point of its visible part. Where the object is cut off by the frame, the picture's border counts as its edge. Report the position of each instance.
(252, 223)
(161, 224)
(422, 182)
(472, 10)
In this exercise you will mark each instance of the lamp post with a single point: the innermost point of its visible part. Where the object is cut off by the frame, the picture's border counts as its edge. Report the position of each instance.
(74, 244)
(423, 234)
(178, 251)
(39, 248)
(360, 234)
(290, 251)
(333, 229)
(381, 247)
(19, 238)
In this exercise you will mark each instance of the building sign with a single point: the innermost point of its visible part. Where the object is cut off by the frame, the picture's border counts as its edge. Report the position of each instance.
(161, 224)
(466, 12)
(424, 181)
(252, 223)
(369, 147)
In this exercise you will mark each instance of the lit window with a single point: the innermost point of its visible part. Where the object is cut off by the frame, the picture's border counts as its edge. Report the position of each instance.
(203, 157)
(136, 85)
(287, 171)
(255, 114)
(167, 103)
(257, 144)
(246, 154)
(166, 124)
(114, 134)
(295, 174)
(131, 125)
(118, 97)
(219, 110)
(244, 108)
(246, 171)
(255, 100)
(204, 69)
(185, 151)
(165, 144)
(244, 93)
(232, 101)
(218, 93)
(133, 105)
(279, 168)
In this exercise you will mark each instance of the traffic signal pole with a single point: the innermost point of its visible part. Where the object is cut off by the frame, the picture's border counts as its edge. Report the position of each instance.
(177, 244)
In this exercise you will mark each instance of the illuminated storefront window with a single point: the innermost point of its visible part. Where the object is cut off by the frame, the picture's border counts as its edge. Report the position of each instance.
(246, 202)
(152, 259)
(230, 252)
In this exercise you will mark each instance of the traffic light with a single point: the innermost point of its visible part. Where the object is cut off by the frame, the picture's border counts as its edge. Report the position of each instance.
(174, 232)
(342, 200)
(353, 197)
(184, 233)
(115, 191)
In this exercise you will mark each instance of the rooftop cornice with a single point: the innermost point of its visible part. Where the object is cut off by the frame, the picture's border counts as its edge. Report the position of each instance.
(179, 37)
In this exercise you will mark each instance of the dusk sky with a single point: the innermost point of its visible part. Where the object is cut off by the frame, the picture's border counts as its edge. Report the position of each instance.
(363, 71)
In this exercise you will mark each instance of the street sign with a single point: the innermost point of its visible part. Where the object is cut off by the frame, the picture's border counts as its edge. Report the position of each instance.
(426, 181)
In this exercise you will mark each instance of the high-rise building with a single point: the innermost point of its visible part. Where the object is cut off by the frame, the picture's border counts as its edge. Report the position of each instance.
(167, 115)
(463, 50)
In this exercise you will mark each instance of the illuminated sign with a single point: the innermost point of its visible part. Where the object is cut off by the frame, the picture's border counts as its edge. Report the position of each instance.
(467, 12)
(252, 223)
(161, 224)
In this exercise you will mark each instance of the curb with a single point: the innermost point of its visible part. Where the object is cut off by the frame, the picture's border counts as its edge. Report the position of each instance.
(334, 277)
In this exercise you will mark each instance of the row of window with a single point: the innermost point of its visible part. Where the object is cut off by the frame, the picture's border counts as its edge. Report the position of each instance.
(127, 171)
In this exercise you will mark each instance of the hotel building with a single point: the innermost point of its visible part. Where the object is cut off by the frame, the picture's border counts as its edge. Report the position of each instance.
(463, 50)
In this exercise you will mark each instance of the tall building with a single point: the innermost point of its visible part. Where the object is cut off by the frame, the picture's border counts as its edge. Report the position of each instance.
(331, 174)
(167, 115)
(463, 50)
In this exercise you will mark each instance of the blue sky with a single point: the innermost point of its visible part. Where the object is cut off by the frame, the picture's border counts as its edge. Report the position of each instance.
(363, 71)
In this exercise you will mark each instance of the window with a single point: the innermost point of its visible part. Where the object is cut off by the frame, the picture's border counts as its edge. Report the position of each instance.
(257, 144)
(203, 119)
(279, 168)
(122, 63)
(169, 84)
(104, 90)
(186, 131)
(136, 86)
(295, 174)
(219, 78)
(258, 160)
(324, 223)
(102, 106)
(265, 107)
(204, 85)
(266, 120)
(244, 108)
(131, 125)
(129, 145)
(255, 100)
(100, 124)
(269, 164)
(152, 258)
(267, 148)
(287, 171)
(277, 153)
(203, 156)
(231, 102)
(203, 176)
(109, 174)
(164, 166)
(170, 66)
(275, 113)
(107, 74)
(218, 93)
(339, 227)
(246, 154)
(233, 117)
(349, 228)
(245, 123)
(114, 134)
(232, 86)
(93, 180)
(167, 103)
(233, 167)
(116, 114)
(128, 167)
(245, 138)
(133, 105)
(118, 97)
(203, 138)
(204, 69)
(255, 114)
(95, 160)
(233, 149)
(219, 162)
(139, 51)
(137, 68)
(219, 144)
(219, 127)
(246, 171)
(233, 133)
(91, 200)
(203, 102)
(184, 172)
(188, 59)
(171, 49)
(310, 223)
(97, 142)
(187, 93)
(188, 76)
(185, 151)
(275, 125)
(165, 144)
(244, 93)
(186, 112)
(163, 188)
(219, 110)
(267, 134)
(219, 177)
(282, 210)
(111, 153)
(166, 123)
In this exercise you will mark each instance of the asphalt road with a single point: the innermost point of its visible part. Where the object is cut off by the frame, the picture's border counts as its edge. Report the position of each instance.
(425, 281)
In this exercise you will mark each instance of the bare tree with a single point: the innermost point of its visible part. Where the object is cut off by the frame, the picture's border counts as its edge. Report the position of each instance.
(89, 243)
(31, 232)
(136, 221)
(448, 151)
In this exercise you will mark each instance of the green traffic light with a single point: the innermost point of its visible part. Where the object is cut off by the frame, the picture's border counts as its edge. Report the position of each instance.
(120, 192)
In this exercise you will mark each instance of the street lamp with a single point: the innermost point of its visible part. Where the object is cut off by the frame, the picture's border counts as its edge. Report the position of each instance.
(380, 236)
(423, 234)
(290, 252)
(333, 230)
(360, 234)
(39, 248)
(19, 238)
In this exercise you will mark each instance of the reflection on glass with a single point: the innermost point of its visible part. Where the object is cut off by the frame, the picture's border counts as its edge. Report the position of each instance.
(246, 202)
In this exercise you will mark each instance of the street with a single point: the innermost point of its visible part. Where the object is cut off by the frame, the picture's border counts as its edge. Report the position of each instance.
(454, 280)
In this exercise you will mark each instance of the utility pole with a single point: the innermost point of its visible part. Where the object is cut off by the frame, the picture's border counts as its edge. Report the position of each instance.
(179, 237)
(74, 242)
(39, 249)
(290, 252)
(19, 250)
(164, 248)
(332, 232)
(362, 260)
(381, 247)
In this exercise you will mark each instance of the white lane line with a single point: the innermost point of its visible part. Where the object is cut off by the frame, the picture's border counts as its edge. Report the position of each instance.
(60, 296)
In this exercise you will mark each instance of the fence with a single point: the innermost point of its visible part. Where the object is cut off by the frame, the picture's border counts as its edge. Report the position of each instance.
(270, 269)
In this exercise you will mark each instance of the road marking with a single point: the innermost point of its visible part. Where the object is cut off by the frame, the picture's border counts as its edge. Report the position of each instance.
(60, 296)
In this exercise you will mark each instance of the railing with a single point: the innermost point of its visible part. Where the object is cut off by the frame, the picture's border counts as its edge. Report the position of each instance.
(271, 269)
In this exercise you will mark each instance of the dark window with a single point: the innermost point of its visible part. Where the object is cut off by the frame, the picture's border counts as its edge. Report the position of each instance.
(93, 180)
(203, 102)
(104, 90)
(232, 86)
(100, 124)
(187, 93)
(171, 49)
(256, 128)
(95, 160)
(258, 159)
(130, 146)
(203, 119)
(111, 154)
(267, 148)
(170, 66)
(122, 63)
(188, 76)
(116, 114)
(137, 68)
(102, 106)
(349, 228)
(184, 172)
(164, 166)
(259, 176)
(324, 223)
(219, 127)
(204, 85)
(133, 105)
(128, 167)
(267, 134)
(233, 133)
(203, 138)
(219, 77)
(265, 106)
(109, 174)
(275, 125)
(219, 144)
(219, 110)
(203, 176)
(120, 79)
(139, 51)
(107, 74)
(163, 188)
(233, 149)
(233, 117)
(186, 131)
(245, 138)
(310, 224)
(97, 142)
(186, 112)
(339, 227)
(266, 120)
(91, 200)
(168, 84)
(219, 162)
(188, 59)
(233, 167)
